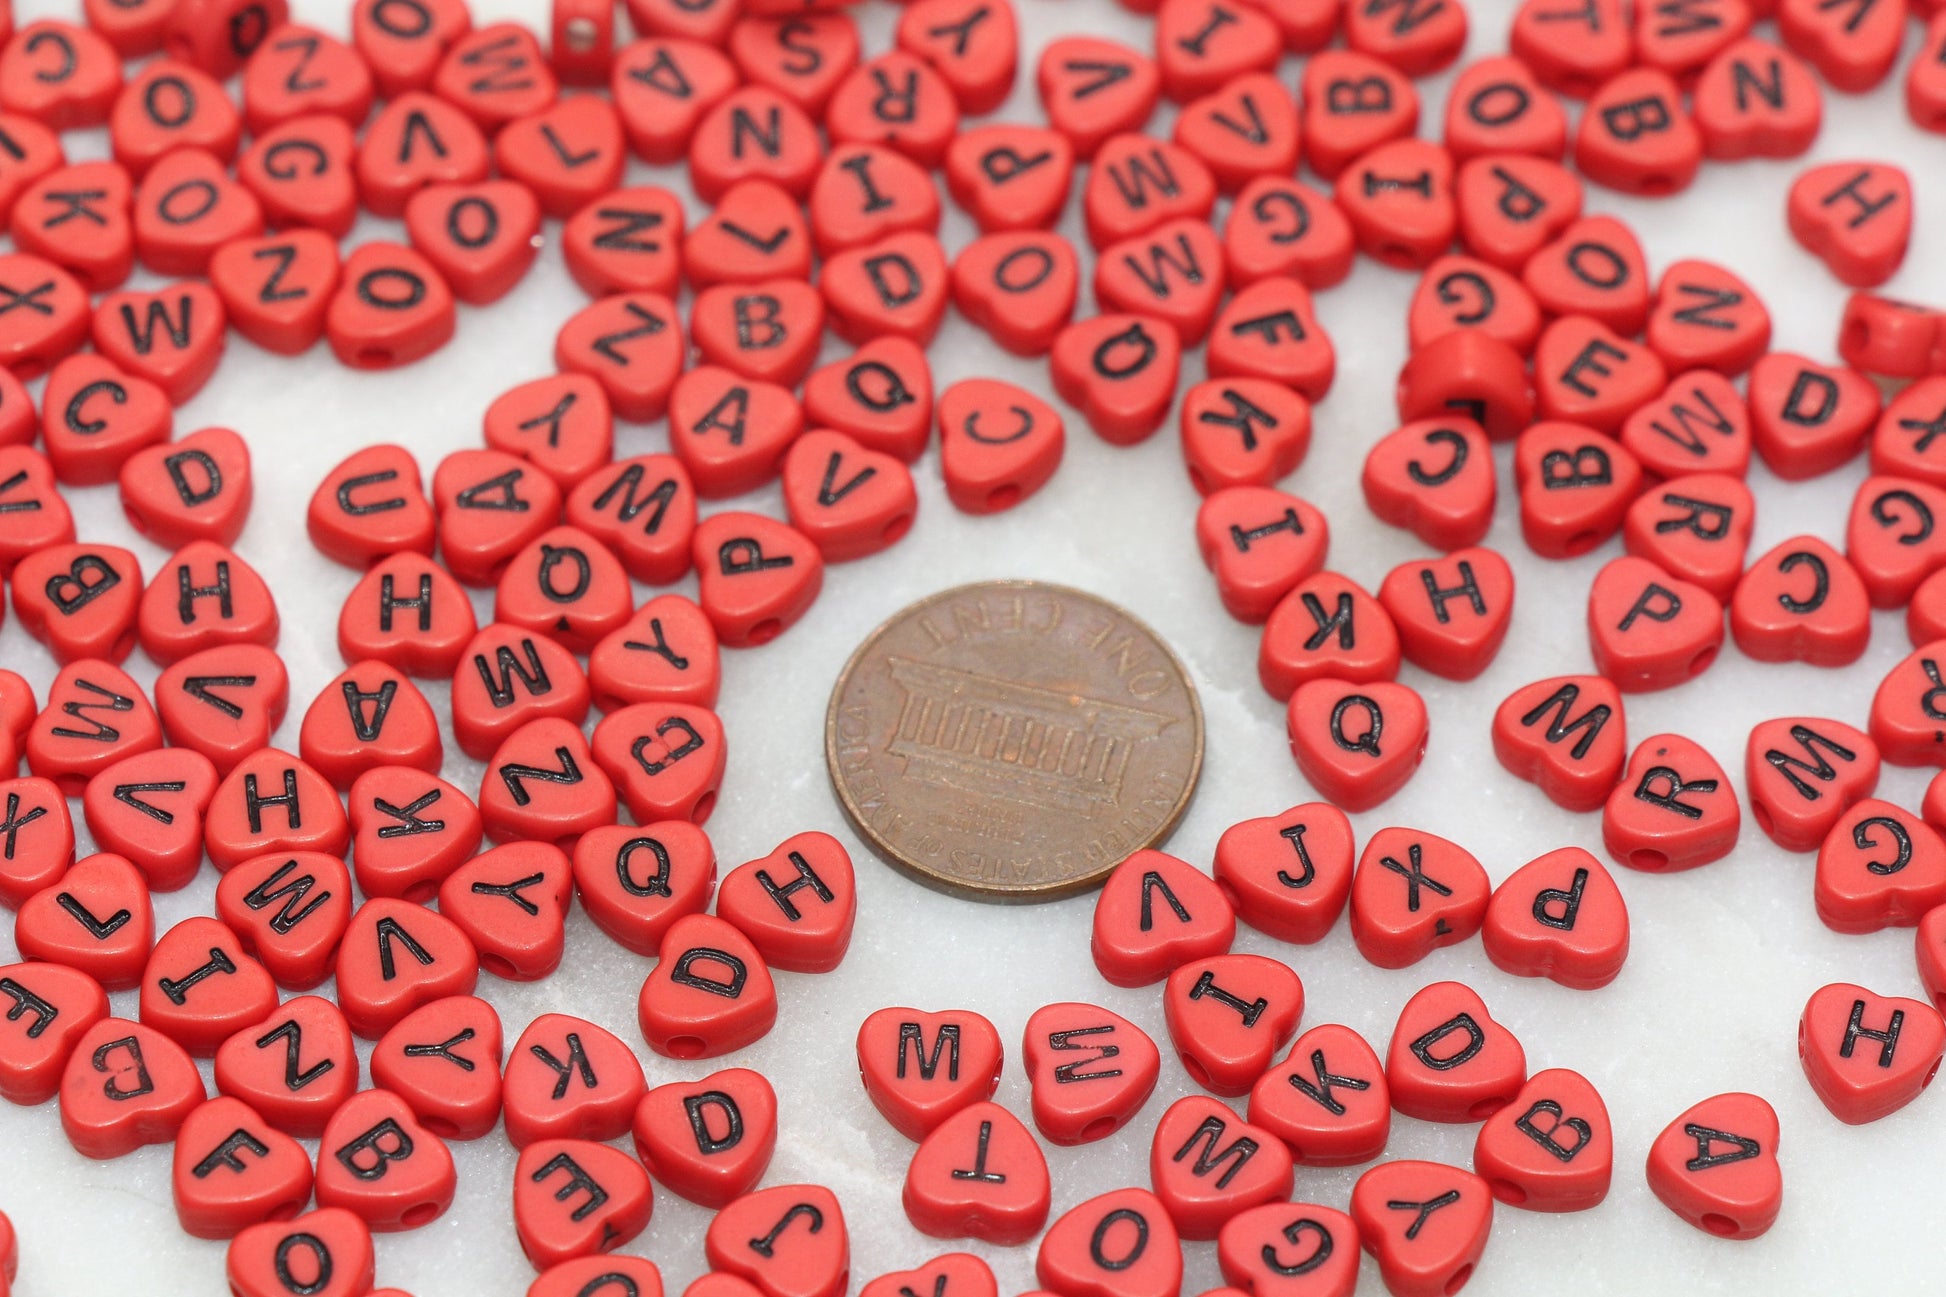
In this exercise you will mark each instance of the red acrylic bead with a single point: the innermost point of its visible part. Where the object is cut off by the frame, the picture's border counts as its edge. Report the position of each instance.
(667, 651)
(61, 75)
(328, 1250)
(1469, 373)
(1268, 330)
(489, 505)
(148, 808)
(1681, 43)
(1278, 225)
(663, 87)
(495, 74)
(1242, 130)
(567, 155)
(916, 1087)
(1326, 627)
(1449, 1060)
(1756, 100)
(277, 291)
(1092, 88)
(1465, 293)
(973, 47)
(1852, 49)
(290, 911)
(1552, 1149)
(1696, 527)
(403, 40)
(299, 71)
(172, 338)
(1595, 268)
(788, 1240)
(1136, 183)
(1288, 875)
(1866, 1055)
(1497, 105)
(1510, 205)
(1229, 1015)
(1673, 809)
(569, 1079)
(1807, 418)
(1090, 1071)
(543, 784)
(408, 611)
(1154, 914)
(391, 308)
(56, 1007)
(754, 132)
(1260, 1249)
(767, 330)
(709, 993)
(1699, 425)
(1649, 630)
(1242, 432)
(1196, 1136)
(295, 1066)
(1425, 1224)
(171, 105)
(94, 716)
(1802, 601)
(1327, 1100)
(757, 576)
(186, 208)
(376, 1161)
(964, 1275)
(219, 36)
(397, 957)
(567, 585)
(1559, 916)
(410, 830)
(805, 55)
(1637, 137)
(480, 238)
(978, 1174)
(1716, 1166)
(635, 883)
(94, 416)
(506, 678)
(55, 315)
(1352, 103)
(1575, 487)
(708, 1140)
(443, 1059)
(96, 918)
(864, 192)
(1451, 613)
(126, 1085)
(414, 141)
(626, 241)
(1121, 1243)
(1879, 867)
(79, 600)
(999, 444)
(1019, 286)
(881, 396)
(754, 233)
(511, 902)
(1414, 892)
(1357, 744)
(1435, 478)
(199, 986)
(1399, 199)
(1856, 217)
(1586, 373)
(575, 1198)
(370, 506)
(644, 510)
(1704, 317)
(1783, 757)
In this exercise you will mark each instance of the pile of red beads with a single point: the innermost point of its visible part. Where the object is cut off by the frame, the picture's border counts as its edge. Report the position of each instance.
(350, 866)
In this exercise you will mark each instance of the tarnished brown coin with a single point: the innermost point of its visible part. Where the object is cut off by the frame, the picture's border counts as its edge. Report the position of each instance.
(1013, 740)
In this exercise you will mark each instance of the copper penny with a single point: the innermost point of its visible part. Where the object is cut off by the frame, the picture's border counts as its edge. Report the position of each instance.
(1013, 740)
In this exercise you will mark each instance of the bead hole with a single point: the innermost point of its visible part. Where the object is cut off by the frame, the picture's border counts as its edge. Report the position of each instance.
(500, 967)
(1458, 1281)
(441, 1127)
(1197, 1072)
(1508, 1192)
(1099, 1128)
(1003, 497)
(372, 357)
(686, 1047)
(419, 1214)
(1700, 663)
(1718, 1224)
(1582, 541)
(704, 805)
(1648, 861)
(1485, 1108)
(766, 630)
(897, 528)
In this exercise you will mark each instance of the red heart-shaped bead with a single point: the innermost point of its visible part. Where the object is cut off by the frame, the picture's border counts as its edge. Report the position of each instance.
(1019, 286)
(1552, 1148)
(666, 758)
(1120, 371)
(1696, 527)
(881, 395)
(1699, 424)
(1856, 217)
(377, 1161)
(1357, 744)
(1242, 432)
(296, 1067)
(1574, 758)
(797, 905)
(95, 715)
(1228, 1015)
(628, 240)
(978, 1174)
(1903, 723)
(203, 596)
(768, 330)
(544, 785)
(328, 1251)
(789, 1240)
(708, 1140)
(199, 987)
(565, 584)
(1279, 225)
(569, 1079)
(665, 652)
(1449, 1060)
(1154, 914)
(1594, 268)
(755, 576)
(78, 217)
(851, 502)
(1706, 317)
(1867, 1055)
(1807, 418)
(409, 611)
(489, 505)
(1172, 273)
(409, 831)
(1716, 1166)
(920, 1068)
(1290, 1250)
(233, 1169)
(195, 488)
(957, 1274)
(1010, 176)
(224, 702)
(998, 444)
(1260, 544)
(709, 993)
(1783, 757)
(1328, 1100)
(55, 1007)
(1575, 487)
(1879, 867)
(396, 957)
(634, 883)
(188, 206)
(1288, 875)
(31, 344)
(506, 677)
(1117, 1244)
(271, 801)
(149, 809)
(481, 236)
(443, 1059)
(1435, 478)
(1803, 601)
(1586, 373)
(1426, 1225)
(1451, 613)
(755, 233)
(94, 415)
(622, 1273)
(1673, 809)
(277, 290)
(1089, 1070)
(96, 918)
(124, 1086)
(575, 1198)
(730, 432)
(1559, 916)
(511, 902)
(1269, 330)
(1327, 627)
(301, 172)
(894, 287)
(652, 488)
(1208, 1164)
(1241, 130)
(1124, 194)
(370, 506)
(562, 424)
(1413, 893)
(1649, 630)
(1398, 197)
(39, 838)
(173, 338)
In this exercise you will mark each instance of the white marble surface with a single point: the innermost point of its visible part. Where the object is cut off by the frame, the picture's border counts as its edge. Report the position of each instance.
(1722, 961)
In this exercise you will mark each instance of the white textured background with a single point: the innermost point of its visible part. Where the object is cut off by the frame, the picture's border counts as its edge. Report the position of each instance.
(1722, 959)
